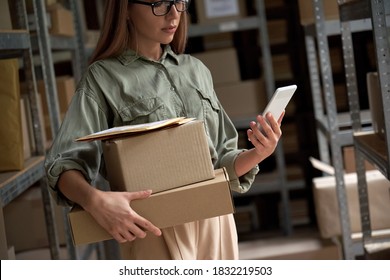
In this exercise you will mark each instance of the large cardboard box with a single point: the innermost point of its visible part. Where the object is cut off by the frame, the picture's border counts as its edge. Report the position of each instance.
(223, 65)
(327, 208)
(193, 202)
(216, 11)
(242, 99)
(159, 160)
(331, 10)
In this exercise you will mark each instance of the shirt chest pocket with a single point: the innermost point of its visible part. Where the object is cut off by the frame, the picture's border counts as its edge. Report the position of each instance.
(202, 106)
(145, 110)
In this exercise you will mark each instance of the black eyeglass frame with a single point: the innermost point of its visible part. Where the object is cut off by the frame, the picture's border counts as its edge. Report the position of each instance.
(153, 4)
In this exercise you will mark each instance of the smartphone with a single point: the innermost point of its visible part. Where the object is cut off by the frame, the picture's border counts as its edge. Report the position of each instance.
(279, 101)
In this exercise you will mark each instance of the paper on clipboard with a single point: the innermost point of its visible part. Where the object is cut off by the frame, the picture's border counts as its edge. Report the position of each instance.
(131, 129)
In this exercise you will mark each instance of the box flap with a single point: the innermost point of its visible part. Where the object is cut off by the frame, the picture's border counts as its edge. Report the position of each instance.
(322, 166)
(126, 130)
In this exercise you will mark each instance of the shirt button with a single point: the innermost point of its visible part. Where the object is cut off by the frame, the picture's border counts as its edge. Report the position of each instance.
(172, 89)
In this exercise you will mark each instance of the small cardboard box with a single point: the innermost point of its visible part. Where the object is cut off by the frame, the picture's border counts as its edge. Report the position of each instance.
(61, 21)
(159, 160)
(376, 103)
(349, 160)
(331, 10)
(193, 202)
(215, 11)
(243, 99)
(223, 65)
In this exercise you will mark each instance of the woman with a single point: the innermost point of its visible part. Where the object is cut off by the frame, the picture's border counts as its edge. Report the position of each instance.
(139, 74)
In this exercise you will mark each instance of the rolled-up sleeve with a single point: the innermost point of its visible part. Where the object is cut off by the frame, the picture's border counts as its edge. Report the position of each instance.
(84, 116)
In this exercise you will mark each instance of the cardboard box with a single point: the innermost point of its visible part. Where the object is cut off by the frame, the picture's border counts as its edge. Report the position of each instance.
(66, 88)
(218, 41)
(327, 209)
(376, 104)
(159, 160)
(331, 10)
(216, 11)
(242, 99)
(62, 23)
(25, 223)
(11, 134)
(193, 202)
(277, 31)
(48, 3)
(5, 18)
(281, 64)
(25, 130)
(223, 65)
(350, 162)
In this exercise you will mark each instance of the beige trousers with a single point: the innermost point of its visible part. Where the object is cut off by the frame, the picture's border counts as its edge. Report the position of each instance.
(210, 239)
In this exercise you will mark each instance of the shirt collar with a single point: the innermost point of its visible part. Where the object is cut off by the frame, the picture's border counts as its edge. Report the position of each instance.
(130, 56)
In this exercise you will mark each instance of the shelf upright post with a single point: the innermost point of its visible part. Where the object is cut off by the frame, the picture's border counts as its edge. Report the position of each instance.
(79, 61)
(382, 46)
(28, 66)
(22, 23)
(270, 88)
(48, 73)
(354, 108)
(331, 111)
(47, 65)
(315, 85)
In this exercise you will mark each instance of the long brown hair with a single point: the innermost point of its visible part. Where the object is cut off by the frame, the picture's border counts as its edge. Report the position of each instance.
(117, 33)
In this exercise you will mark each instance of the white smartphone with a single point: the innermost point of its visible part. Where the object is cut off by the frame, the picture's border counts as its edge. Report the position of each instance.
(279, 101)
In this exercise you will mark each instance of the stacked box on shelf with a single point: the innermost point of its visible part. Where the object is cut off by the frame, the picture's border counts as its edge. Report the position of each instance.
(331, 11)
(11, 133)
(327, 208)
(240, 99)
(65, 90)
(61, 21)
(281, 64)
(218, 11)
(277, 31)
(25, 224)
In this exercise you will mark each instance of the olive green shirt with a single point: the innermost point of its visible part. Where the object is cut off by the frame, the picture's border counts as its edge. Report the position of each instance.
(131, 89)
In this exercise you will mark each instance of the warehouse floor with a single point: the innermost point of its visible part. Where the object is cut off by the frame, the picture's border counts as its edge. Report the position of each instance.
(304, 243)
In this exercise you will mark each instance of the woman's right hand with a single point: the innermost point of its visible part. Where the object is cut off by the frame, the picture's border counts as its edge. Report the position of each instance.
(112, 210)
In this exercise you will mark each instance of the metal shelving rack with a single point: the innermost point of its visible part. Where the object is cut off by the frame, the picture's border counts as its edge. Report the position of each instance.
(334, 130)
(277, 181)
(48, 44)
(22, 43)
(368, 145)
(16, 44)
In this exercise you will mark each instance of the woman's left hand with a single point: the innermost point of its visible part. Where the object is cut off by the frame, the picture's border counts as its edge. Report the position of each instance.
(265, 134)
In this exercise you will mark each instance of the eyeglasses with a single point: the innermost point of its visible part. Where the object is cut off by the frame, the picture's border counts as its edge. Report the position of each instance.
(161, 8)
